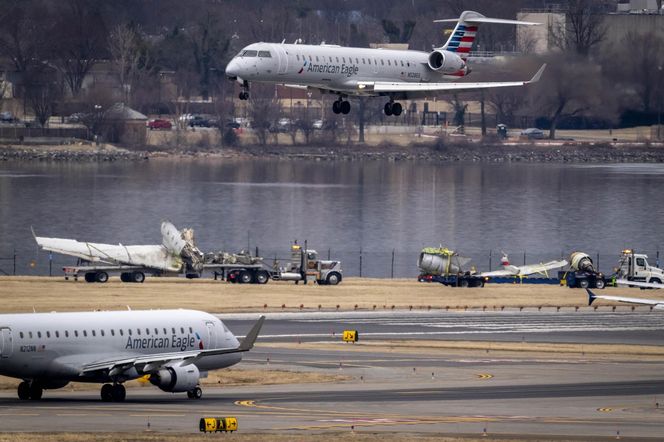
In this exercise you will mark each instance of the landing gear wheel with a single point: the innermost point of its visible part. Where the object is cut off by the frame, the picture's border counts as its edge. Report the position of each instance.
(101, 277)
(90, 277)
(262, 277)
(107, 392)
(196, 393)
(24, 391)
(125, 277)
(600, 284)
(396, 109)
(336, 107)
(35, 391)
(345, 107)
(246, 277)
(388, 109)
(244, 95)
(138, 277)
(118, 392)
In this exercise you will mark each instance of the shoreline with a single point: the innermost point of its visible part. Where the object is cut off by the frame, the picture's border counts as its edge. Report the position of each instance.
(539, 152)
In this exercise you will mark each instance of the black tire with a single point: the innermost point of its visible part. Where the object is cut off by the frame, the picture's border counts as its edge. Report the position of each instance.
(118, 393)
(107, 392)
(345, 107)
(336, 108)
(35, 391)
(125, 277)
(138, 277)
(262, 277)
(246, 277)
(101, 277)
(583, 283)
(24, 391)
(463, 283)
(196, 393)
(396, 109)
(600, 283)
(90, 277)
(333, 278)
(388, 109)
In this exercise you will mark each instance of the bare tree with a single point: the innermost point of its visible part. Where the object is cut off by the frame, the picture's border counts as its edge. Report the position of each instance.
(506, 103)
(124, 46)
(459, 109)
(22, 36)
(263, 112)
(42, 90)
(581, 30)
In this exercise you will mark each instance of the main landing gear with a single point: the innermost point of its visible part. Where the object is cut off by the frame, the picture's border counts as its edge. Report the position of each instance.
(196, 393)
(341, 107)
(29, 390)
(113, 393)
(392, 108)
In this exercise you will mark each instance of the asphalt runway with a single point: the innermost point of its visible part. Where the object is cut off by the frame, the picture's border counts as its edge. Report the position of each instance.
(432, 392)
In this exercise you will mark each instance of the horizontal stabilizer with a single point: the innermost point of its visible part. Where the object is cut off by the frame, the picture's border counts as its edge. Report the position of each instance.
(473, 20)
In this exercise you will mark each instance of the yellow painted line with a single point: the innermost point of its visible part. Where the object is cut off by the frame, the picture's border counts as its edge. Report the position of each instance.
(605, 410)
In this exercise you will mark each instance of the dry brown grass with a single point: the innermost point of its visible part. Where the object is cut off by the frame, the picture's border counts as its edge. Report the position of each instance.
(23, 293)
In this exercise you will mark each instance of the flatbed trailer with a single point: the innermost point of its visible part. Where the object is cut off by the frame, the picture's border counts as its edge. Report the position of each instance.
(461, 280)
(242, 273)
(101, 273)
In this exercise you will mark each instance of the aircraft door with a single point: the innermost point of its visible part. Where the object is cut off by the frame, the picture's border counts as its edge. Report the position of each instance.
(282, 57)
(6, 342)
(212, 335)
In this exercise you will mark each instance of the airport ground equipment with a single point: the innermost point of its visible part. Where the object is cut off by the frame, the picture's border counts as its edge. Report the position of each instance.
(215, 424)
(583, 273)
(438, 264)
(634, 267)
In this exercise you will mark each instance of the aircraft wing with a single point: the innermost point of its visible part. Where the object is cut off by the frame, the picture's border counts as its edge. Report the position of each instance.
(657, 304)
(645, 285)
(153, 256)
(541, 268)
(383, 87)
(498, 273)
(151, 363)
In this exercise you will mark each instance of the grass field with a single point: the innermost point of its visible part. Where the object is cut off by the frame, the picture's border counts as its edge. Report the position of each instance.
(44, 294)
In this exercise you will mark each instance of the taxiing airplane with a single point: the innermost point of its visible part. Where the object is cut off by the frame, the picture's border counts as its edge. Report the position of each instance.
(531, 269)
(656, 304)
(176, 253)
(346, 71)
(175, 348)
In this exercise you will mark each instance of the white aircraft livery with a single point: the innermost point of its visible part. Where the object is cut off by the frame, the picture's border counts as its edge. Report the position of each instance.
(345, 71)
(172, 348)
(655, 304)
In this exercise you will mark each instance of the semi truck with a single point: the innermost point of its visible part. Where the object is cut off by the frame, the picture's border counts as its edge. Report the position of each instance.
(634, 267)
(439, 264)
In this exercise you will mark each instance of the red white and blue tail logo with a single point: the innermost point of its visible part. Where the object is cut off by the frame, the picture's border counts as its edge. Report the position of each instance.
(461, 40)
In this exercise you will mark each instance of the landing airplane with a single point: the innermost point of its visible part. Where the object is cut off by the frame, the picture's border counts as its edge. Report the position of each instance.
(512, 270)
(176, 253)
(656, 304)
(344, 71)
(175, 348)
(640, 284)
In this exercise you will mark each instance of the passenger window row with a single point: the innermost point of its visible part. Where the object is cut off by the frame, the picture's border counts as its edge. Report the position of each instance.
(356, 60)
(102, 332)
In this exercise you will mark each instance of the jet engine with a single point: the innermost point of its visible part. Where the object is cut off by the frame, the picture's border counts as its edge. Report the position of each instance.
(446, 62)
(581, 261)
(176, 378)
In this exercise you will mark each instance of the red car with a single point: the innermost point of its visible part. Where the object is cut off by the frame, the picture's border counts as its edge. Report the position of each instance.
(160, 125)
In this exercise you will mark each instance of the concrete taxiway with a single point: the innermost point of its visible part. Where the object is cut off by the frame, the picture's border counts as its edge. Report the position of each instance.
(390, 390)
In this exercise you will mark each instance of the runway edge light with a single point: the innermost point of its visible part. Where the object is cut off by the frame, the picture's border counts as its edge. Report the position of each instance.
(351, 336)
(214, 424)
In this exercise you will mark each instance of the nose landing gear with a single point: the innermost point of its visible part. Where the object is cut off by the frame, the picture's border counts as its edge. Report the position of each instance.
(341, 107)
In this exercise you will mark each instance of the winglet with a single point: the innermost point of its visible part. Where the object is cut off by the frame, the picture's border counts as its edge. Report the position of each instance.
(34, 235)
(248, 341)
(591, 297)
(537, 75)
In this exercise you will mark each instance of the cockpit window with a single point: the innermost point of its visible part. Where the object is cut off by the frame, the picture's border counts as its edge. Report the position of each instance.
(264, 54)
(248, 53)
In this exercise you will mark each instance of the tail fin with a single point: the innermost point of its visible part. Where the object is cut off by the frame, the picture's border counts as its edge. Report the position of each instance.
(463, 36)
(591, 297)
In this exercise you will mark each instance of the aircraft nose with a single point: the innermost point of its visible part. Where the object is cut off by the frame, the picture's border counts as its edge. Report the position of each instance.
(233, 69)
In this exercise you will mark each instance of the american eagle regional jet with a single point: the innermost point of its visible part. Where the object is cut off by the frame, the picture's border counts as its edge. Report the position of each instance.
(174, 348)
(344, 71)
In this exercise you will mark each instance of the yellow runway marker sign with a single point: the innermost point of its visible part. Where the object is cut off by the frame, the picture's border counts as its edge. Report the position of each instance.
(605, 410)
(351, 336)
(485, 376)
(214, 424)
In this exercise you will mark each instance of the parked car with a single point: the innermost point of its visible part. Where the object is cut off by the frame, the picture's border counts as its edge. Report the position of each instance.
(317, 124)
(7, 117)
(533, 133)
(75, 118)
(199, 121)
(160, 124)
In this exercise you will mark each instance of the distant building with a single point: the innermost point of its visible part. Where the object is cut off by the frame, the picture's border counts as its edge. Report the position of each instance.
(125, 125)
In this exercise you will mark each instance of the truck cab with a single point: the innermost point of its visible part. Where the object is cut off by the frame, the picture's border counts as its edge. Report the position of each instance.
(635, 267)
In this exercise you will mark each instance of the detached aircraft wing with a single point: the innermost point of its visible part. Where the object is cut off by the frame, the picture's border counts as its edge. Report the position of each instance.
(526, 270)
(382, 87)
(153, 256)
(657, 304)
(151, 363)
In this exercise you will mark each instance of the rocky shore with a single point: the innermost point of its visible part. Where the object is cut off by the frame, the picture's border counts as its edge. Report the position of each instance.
(562, 152)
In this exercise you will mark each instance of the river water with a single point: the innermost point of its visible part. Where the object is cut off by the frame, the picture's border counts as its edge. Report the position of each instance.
(363, 213)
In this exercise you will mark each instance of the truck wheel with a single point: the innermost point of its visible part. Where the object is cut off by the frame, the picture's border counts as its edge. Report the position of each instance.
(125, 277)
(101, 277)
(262, 277)
(138, 277)
(463, 283)
(90, 277)
(333, 278)
(246, 277)
(600, 284)
(583, 283)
